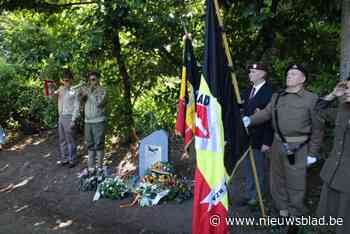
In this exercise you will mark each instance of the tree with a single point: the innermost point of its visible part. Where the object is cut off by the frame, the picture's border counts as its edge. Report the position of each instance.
(136, 45)
(345, 41)
(49, 6)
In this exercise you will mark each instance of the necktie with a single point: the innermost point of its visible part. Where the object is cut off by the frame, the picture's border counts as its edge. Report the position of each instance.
(252, 93)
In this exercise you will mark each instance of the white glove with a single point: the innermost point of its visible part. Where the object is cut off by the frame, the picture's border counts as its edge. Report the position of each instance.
(311, 160)
(246, 121)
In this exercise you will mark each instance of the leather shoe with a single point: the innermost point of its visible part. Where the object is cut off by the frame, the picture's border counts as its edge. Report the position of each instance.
(252, 202)
(62, 163)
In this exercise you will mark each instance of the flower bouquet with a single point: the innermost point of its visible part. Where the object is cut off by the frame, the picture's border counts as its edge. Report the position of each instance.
(113, 188)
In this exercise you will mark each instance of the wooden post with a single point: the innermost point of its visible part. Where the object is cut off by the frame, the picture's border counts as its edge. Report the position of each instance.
(239, 100)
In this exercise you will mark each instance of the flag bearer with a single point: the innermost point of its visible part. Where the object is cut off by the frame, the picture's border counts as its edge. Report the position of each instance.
(256, 97)
(298, 133)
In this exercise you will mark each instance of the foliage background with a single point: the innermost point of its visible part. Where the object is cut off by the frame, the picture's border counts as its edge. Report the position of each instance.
(136, 45)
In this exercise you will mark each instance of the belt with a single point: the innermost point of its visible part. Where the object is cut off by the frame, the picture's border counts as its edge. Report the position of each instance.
(295, 139)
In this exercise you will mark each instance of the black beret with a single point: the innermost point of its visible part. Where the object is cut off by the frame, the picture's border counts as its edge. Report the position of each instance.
(258, 66)
(297, 67)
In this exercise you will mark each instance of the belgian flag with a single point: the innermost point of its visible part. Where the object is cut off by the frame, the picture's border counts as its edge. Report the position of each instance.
(185, 122)
(220, 137)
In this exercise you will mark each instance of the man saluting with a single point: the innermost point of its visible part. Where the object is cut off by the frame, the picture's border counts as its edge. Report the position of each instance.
(68, 110)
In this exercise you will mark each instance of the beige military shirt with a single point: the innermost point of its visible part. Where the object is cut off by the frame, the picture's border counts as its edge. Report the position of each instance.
(296, 116)
(95, 105)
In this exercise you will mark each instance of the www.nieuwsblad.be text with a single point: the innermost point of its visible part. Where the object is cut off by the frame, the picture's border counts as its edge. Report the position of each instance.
(216, 220)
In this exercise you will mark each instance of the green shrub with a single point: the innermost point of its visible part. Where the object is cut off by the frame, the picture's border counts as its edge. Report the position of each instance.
(22, 99)
(157, 108)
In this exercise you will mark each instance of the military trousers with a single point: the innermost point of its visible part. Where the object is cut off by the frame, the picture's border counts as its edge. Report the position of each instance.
(288, 182)
(68, 148)
(95, 136)
(95, 142)
(335, 204)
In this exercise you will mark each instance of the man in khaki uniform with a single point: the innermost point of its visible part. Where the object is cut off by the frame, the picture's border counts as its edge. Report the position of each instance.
(95, 120)
(335, 195)
(298, 133)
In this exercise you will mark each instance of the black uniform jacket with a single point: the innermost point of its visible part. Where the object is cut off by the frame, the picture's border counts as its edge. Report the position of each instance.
(263, 133)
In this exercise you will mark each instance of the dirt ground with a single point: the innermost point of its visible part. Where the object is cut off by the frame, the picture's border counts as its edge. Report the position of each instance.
(49, 200)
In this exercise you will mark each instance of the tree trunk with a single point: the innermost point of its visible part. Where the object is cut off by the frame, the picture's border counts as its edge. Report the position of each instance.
(345, 40)
(116, 51)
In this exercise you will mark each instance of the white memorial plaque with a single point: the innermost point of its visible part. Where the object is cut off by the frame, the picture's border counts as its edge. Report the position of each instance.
(153, 148)
(153, 154)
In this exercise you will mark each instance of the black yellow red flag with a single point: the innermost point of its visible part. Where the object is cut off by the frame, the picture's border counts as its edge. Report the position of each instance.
(185, 122)
(220, 137)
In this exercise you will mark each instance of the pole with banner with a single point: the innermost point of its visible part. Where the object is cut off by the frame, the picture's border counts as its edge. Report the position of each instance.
(238, 98)
(219, 133)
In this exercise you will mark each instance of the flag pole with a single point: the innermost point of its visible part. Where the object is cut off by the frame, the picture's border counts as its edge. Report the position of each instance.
(239, 100)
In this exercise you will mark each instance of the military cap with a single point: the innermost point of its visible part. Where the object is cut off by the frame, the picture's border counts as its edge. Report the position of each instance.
(297, 67)
(258, 66)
